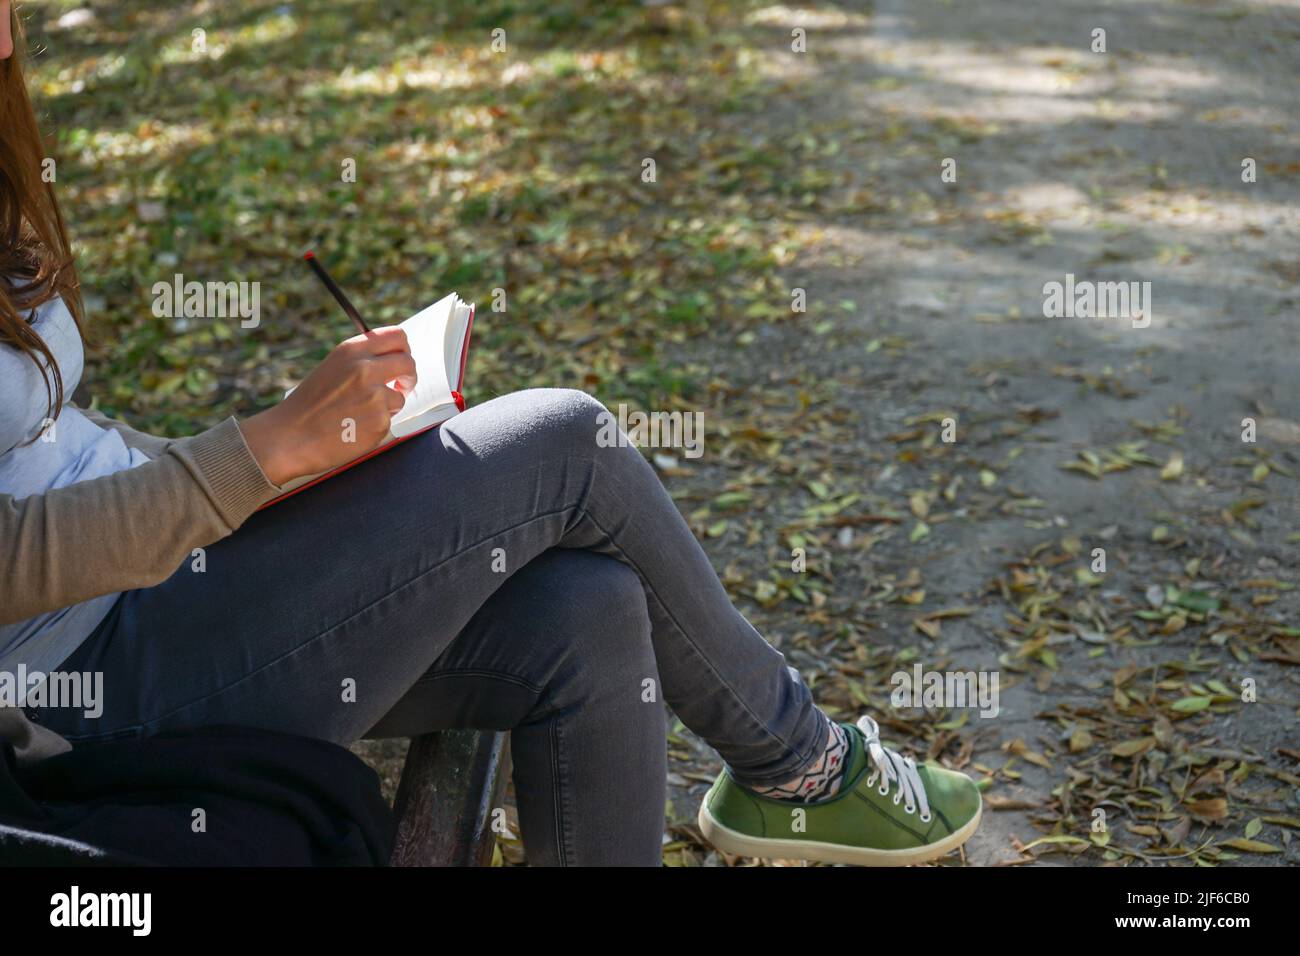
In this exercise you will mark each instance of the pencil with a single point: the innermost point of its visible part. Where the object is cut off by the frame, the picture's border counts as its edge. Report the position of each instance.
(335, 291)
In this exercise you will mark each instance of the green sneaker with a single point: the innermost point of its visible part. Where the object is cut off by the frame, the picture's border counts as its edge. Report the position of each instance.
(932, 812)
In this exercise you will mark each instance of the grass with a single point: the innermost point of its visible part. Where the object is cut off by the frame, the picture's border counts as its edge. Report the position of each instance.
(211, 139)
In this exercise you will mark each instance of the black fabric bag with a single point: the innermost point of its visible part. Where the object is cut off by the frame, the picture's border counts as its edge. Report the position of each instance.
(267, 799)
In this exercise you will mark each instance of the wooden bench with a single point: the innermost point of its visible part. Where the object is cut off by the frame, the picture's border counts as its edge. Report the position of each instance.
(451, 784)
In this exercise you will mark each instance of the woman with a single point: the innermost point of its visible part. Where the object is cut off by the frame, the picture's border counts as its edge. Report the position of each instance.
(375, 604)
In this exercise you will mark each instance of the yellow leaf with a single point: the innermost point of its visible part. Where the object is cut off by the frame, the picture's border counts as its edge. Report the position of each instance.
(1052, 839)
(1212, 809)
(1021, 750)
(919, 504)
(1131, 748)
(1251, 846)
(930, 629)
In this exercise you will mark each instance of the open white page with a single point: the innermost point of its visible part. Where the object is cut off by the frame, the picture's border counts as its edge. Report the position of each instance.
(456, 340)
(436, 336)
(427, 332)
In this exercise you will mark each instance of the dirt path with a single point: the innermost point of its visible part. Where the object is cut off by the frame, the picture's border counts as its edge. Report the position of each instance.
(1121, 690)
(1116, 166)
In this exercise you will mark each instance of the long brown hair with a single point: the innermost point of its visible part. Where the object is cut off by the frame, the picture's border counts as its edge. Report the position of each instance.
(35, 256)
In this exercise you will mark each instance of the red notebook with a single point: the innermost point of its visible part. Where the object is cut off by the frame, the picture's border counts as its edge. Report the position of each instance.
(439, 340)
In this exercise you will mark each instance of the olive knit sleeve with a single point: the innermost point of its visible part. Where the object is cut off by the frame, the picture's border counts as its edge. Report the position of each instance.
(130, 529)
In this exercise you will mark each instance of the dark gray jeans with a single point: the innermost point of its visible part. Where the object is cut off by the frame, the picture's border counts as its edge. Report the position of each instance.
(501, 572)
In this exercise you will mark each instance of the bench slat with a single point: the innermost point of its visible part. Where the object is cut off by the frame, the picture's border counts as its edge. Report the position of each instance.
(450, 784)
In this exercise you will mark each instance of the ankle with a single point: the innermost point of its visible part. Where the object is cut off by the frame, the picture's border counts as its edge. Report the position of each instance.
(821, 778)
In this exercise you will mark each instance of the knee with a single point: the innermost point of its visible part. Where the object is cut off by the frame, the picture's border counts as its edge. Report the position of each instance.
(600, 606)
(600, 594)
(565, 418)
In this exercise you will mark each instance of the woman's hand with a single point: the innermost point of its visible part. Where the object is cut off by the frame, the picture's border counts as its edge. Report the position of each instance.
(339, 411)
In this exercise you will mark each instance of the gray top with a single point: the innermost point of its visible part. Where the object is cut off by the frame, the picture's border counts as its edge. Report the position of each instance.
(71, 449)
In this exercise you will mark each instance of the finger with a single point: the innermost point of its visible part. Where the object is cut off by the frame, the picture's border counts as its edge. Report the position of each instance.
(391, 365)
(380, 341)
(395, 400)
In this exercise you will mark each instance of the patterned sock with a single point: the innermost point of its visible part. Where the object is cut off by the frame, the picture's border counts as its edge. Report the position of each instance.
(822, 778)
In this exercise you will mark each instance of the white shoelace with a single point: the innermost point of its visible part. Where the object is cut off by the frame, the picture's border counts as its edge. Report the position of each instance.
(893, 768)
